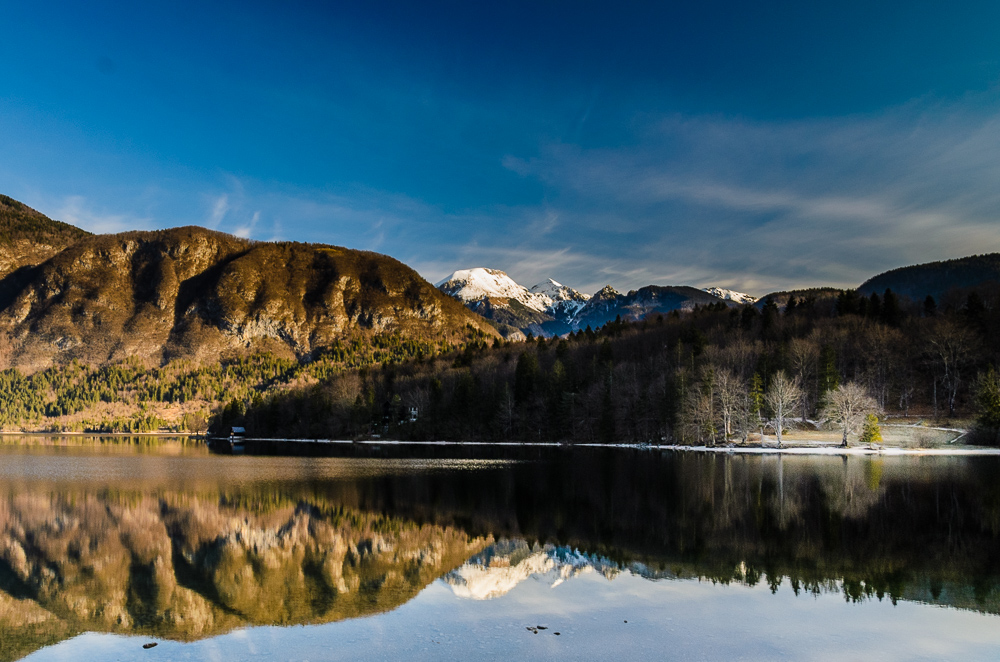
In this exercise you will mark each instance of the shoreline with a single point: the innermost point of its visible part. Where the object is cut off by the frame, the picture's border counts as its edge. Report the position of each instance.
(158, 433)
(747, 450)
(818, 450)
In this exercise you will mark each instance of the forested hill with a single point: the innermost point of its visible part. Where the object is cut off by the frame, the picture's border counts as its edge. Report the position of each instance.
(192, 293)
(686, 376)
(938, 279)
(28, 237)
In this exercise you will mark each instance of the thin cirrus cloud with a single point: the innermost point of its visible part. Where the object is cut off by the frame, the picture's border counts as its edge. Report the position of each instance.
(79, 211)
(755, 206)
(764, 206)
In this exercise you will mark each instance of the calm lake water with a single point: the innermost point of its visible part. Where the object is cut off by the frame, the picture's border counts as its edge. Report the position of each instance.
(489, 553)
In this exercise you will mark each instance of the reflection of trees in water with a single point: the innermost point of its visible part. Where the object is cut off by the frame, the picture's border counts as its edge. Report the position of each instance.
(184, 566)
(889, 526)
(191, 563)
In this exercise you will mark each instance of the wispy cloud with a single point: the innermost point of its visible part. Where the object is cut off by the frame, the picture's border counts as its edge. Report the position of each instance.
(755, 206)
(770, 205)
(219, 208)
(77, 210)
(246, 231)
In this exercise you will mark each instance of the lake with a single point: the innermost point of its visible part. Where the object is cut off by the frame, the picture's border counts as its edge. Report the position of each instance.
(444, 552)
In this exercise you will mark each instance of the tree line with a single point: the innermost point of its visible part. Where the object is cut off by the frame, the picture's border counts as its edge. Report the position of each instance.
(61, 397)
(711, 375)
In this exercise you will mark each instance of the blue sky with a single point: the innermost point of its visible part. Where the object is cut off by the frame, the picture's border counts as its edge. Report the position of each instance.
(757, 146)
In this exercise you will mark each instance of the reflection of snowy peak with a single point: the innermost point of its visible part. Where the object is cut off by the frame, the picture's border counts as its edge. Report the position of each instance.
(730, 295)
(501, 567)
(469, 285)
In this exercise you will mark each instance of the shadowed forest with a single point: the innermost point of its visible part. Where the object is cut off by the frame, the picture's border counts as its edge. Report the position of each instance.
(687, 376)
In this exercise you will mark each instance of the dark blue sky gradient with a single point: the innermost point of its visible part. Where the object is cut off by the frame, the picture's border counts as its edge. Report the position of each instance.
(457, 134)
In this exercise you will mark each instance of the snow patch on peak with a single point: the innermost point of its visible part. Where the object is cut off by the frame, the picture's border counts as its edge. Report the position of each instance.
(481, 283)
(558, 292)
(564, 301)
(730, 295)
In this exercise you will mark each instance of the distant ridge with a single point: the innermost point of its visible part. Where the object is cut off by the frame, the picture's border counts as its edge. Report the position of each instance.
(937, 279)
(730, 295)
(551, 308)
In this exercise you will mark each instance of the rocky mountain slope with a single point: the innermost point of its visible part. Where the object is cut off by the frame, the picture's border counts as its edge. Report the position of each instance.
(28, 237)
(199, 294)
(564, 301)
(545, 309)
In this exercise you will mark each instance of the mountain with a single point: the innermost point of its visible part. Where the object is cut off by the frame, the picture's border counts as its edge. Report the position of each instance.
(198, 294)
(822, 296)
(546, 309)
(551, 308)
(564, 301)
(730, 295)
(470, 285)
(608, 304)
(28, 237)
(937, 279)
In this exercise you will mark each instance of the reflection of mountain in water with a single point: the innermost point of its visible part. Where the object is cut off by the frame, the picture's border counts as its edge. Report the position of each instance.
(185, 567)
(898, 528)
(500, 567)
(316, 540)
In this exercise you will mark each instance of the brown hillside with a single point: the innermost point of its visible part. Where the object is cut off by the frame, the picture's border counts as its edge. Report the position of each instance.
(194, 293)
(28, 237)
(187, 567)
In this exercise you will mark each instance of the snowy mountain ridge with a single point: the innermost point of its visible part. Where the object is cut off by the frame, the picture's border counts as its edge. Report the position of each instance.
(550, 296)
(469, 285)
(565, 301)
(730, 295)
(552, 309)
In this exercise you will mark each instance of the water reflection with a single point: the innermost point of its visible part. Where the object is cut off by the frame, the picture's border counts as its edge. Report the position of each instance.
(182, 545)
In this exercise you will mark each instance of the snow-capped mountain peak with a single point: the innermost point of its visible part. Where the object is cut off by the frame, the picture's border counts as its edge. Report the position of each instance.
(730, 295)
(480, 283)
(557, 291)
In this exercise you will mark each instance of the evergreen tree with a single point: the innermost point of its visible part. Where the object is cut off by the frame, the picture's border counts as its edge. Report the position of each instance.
(988, 406)
(769, 313)
(829, 376)
(874, 306)
(871, 433)
(757, 402)
(891, 313)
(525, 377)
(607, 423)
(930, 306)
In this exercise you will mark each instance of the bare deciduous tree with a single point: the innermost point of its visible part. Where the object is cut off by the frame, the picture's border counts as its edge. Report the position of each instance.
(698, 416)
(782, 396)
(847, 406)
(950, 347)
(729, 389)
(804, 353)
